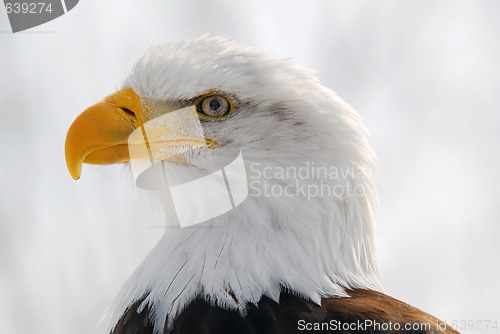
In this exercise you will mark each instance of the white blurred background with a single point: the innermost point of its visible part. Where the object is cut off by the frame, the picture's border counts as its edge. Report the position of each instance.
(423, 73)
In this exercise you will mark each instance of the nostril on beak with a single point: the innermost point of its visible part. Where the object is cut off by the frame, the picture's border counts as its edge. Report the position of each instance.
(129, 113)
(130, 116)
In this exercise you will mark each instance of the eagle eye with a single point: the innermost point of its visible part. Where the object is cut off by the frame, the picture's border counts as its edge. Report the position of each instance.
(214, 106)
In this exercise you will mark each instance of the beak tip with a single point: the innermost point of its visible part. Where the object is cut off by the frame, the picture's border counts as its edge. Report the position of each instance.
(75, 170)
(75, 175)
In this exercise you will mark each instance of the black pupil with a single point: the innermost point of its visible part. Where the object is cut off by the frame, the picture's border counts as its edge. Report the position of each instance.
(214, 105)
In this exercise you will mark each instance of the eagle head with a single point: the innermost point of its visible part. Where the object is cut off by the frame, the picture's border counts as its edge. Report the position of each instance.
(289, 151)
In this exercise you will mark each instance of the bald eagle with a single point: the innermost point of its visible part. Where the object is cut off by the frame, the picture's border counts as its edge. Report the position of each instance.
(281, 243)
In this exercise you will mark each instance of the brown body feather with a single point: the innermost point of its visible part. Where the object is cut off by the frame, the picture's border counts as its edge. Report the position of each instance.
(269, 317)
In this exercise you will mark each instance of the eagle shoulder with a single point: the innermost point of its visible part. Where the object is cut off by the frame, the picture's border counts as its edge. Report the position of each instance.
(366, 311)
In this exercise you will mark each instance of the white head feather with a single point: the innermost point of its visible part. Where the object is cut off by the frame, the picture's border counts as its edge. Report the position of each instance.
(314, 247)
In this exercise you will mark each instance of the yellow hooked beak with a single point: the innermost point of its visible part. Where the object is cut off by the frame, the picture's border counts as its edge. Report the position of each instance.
(100, 135)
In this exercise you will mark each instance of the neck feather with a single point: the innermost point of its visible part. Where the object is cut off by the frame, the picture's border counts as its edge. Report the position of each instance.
(249, 252)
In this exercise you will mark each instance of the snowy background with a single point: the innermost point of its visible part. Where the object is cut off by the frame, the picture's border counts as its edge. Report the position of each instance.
(423, 73)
